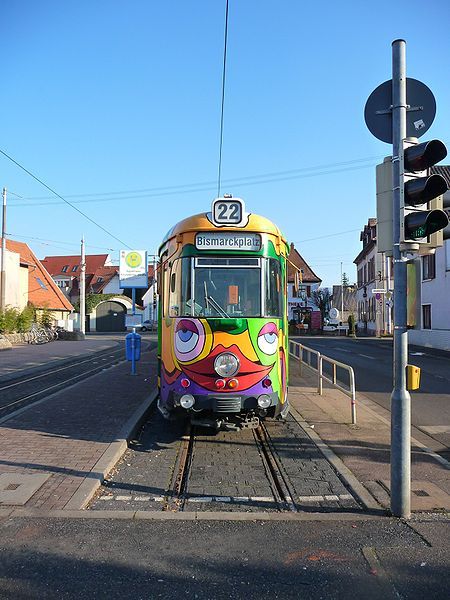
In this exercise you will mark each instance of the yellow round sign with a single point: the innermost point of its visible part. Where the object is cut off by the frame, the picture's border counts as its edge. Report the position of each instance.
(133, 259)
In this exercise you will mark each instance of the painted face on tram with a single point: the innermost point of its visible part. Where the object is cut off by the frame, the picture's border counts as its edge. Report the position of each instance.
(196, 348)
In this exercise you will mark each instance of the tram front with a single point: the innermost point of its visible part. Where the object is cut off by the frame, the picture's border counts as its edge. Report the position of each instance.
(223, 325)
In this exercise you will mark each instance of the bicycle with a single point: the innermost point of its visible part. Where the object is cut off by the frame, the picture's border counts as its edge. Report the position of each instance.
(38, 335)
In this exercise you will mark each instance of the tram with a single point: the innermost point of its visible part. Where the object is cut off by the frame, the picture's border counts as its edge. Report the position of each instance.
(222, 329)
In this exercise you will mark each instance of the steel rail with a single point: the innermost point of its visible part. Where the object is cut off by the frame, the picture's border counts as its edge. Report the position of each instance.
(63, 368)
(40, 394)
(280, 488)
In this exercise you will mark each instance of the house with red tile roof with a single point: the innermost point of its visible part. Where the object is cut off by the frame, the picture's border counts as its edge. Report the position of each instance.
(27, 281)
(301, 305)
(102, 277)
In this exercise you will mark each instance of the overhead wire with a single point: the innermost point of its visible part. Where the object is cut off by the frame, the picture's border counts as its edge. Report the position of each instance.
(63, 199)
(91, 199)
(223, 99)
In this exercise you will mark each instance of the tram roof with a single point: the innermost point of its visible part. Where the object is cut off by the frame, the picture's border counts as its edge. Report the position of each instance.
(200, 222)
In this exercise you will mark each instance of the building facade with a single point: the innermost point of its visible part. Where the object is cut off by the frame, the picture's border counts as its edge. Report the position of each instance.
(429, 292)
(374, 270)
(301, 306)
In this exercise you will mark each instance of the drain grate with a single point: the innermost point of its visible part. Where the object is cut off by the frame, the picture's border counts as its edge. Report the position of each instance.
(420, 493)
(11, 487)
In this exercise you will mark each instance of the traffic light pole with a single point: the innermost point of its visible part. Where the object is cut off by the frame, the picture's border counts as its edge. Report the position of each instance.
(400, 397)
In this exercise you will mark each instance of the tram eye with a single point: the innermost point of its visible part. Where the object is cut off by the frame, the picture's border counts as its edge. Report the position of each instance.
(268, 339)
(189, 339)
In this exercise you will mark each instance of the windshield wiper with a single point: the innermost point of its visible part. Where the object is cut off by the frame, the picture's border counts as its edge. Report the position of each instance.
(209, 300)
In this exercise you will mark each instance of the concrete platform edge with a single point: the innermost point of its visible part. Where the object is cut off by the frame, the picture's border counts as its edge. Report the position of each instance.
(110, 457)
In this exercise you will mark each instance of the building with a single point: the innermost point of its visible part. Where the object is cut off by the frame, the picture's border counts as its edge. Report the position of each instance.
(301, 306)
(100, 275)
(429, 291)
(101, 278)
(344, 299)
(27, 281)
(374, 309)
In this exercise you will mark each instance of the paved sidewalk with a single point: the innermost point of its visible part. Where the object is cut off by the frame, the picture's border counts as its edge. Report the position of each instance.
(54, 454)
(25, 358)
(364, 448)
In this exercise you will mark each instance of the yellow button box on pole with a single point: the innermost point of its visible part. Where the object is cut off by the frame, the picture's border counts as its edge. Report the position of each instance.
(413, 377)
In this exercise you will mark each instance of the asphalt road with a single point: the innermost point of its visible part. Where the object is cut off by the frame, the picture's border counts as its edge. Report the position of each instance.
(139, 559)
(371, 359)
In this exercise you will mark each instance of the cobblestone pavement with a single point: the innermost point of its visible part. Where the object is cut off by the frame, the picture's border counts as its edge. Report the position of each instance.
(67, 433)
(227, 472)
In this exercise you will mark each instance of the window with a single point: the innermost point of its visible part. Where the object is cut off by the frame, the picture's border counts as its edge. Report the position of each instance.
(225, 287)
(428, 267)
(274, 285)
(74, 268)
(64, 269)
(99, 279)
(426, 316)
(41, 283)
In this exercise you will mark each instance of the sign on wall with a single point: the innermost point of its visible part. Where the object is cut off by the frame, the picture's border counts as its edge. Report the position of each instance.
(133, 271)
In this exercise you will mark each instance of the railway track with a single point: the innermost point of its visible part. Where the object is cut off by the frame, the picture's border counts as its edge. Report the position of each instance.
(25, 391)
(274, 468)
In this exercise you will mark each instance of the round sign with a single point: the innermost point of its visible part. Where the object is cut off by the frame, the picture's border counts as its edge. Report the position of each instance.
(419, 114)
(334, 313)
(133, 259)
(377, 296)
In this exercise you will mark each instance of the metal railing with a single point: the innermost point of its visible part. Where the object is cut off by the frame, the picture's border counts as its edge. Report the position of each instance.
(304, 354)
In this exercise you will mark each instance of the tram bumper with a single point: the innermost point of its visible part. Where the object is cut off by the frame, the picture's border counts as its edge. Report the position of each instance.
(229, 404)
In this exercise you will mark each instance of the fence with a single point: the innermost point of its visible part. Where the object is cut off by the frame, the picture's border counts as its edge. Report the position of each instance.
(316, 361)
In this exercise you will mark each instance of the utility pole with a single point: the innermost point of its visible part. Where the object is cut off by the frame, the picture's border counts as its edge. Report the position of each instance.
(83, 289)
(400, 397)
(3, 257)
(342, 296)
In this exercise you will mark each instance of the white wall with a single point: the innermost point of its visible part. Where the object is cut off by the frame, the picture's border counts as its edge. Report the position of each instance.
(16, 281)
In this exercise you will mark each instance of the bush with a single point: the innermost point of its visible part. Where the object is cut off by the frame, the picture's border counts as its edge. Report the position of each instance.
(8, 320)
(25, 319)
(351, 324)
(46, 318)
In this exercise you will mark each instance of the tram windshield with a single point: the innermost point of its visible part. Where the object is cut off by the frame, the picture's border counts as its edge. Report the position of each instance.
(225, 287)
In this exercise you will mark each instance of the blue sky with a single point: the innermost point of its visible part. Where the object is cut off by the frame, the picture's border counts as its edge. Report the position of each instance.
(103, 98)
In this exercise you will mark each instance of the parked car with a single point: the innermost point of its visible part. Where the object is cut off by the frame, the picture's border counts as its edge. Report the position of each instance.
(148, 325)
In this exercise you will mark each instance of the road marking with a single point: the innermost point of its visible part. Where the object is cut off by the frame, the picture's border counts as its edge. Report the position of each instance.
(231, 499)
(366, 356)
(342, 349)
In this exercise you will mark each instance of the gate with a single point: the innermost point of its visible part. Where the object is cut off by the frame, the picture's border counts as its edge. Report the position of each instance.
(110, 316)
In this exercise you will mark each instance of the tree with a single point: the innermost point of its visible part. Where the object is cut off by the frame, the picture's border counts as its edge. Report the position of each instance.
(322, 299)
(345, 280)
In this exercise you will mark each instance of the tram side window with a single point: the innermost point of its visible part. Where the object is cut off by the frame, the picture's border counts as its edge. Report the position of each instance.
(274, 289)
(180, 304)
(174, 289)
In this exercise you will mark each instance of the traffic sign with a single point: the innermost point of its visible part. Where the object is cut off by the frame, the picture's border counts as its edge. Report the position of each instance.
(419, 114)
(378, 291)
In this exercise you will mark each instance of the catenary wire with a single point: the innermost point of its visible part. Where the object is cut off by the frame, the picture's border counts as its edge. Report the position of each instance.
(223, 99)
(231, 181)
(63, 199)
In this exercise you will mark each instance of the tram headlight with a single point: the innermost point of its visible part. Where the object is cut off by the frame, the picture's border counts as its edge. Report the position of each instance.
(226, 364)
(264, 401)
(187, 401)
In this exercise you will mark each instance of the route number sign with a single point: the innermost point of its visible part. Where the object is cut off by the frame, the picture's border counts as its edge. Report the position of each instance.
(228, 212)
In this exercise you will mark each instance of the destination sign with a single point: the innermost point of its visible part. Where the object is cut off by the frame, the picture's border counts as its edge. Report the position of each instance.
(212, 240)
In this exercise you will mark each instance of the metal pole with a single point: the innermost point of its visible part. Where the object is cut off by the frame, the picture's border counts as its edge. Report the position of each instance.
(133, 298)
(83, 289)
(387, 307)
(3, 257)
(400, 397)
(342, 297)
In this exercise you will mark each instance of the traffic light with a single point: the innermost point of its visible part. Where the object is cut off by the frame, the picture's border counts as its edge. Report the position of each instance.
(446, 206)
(421, 213)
